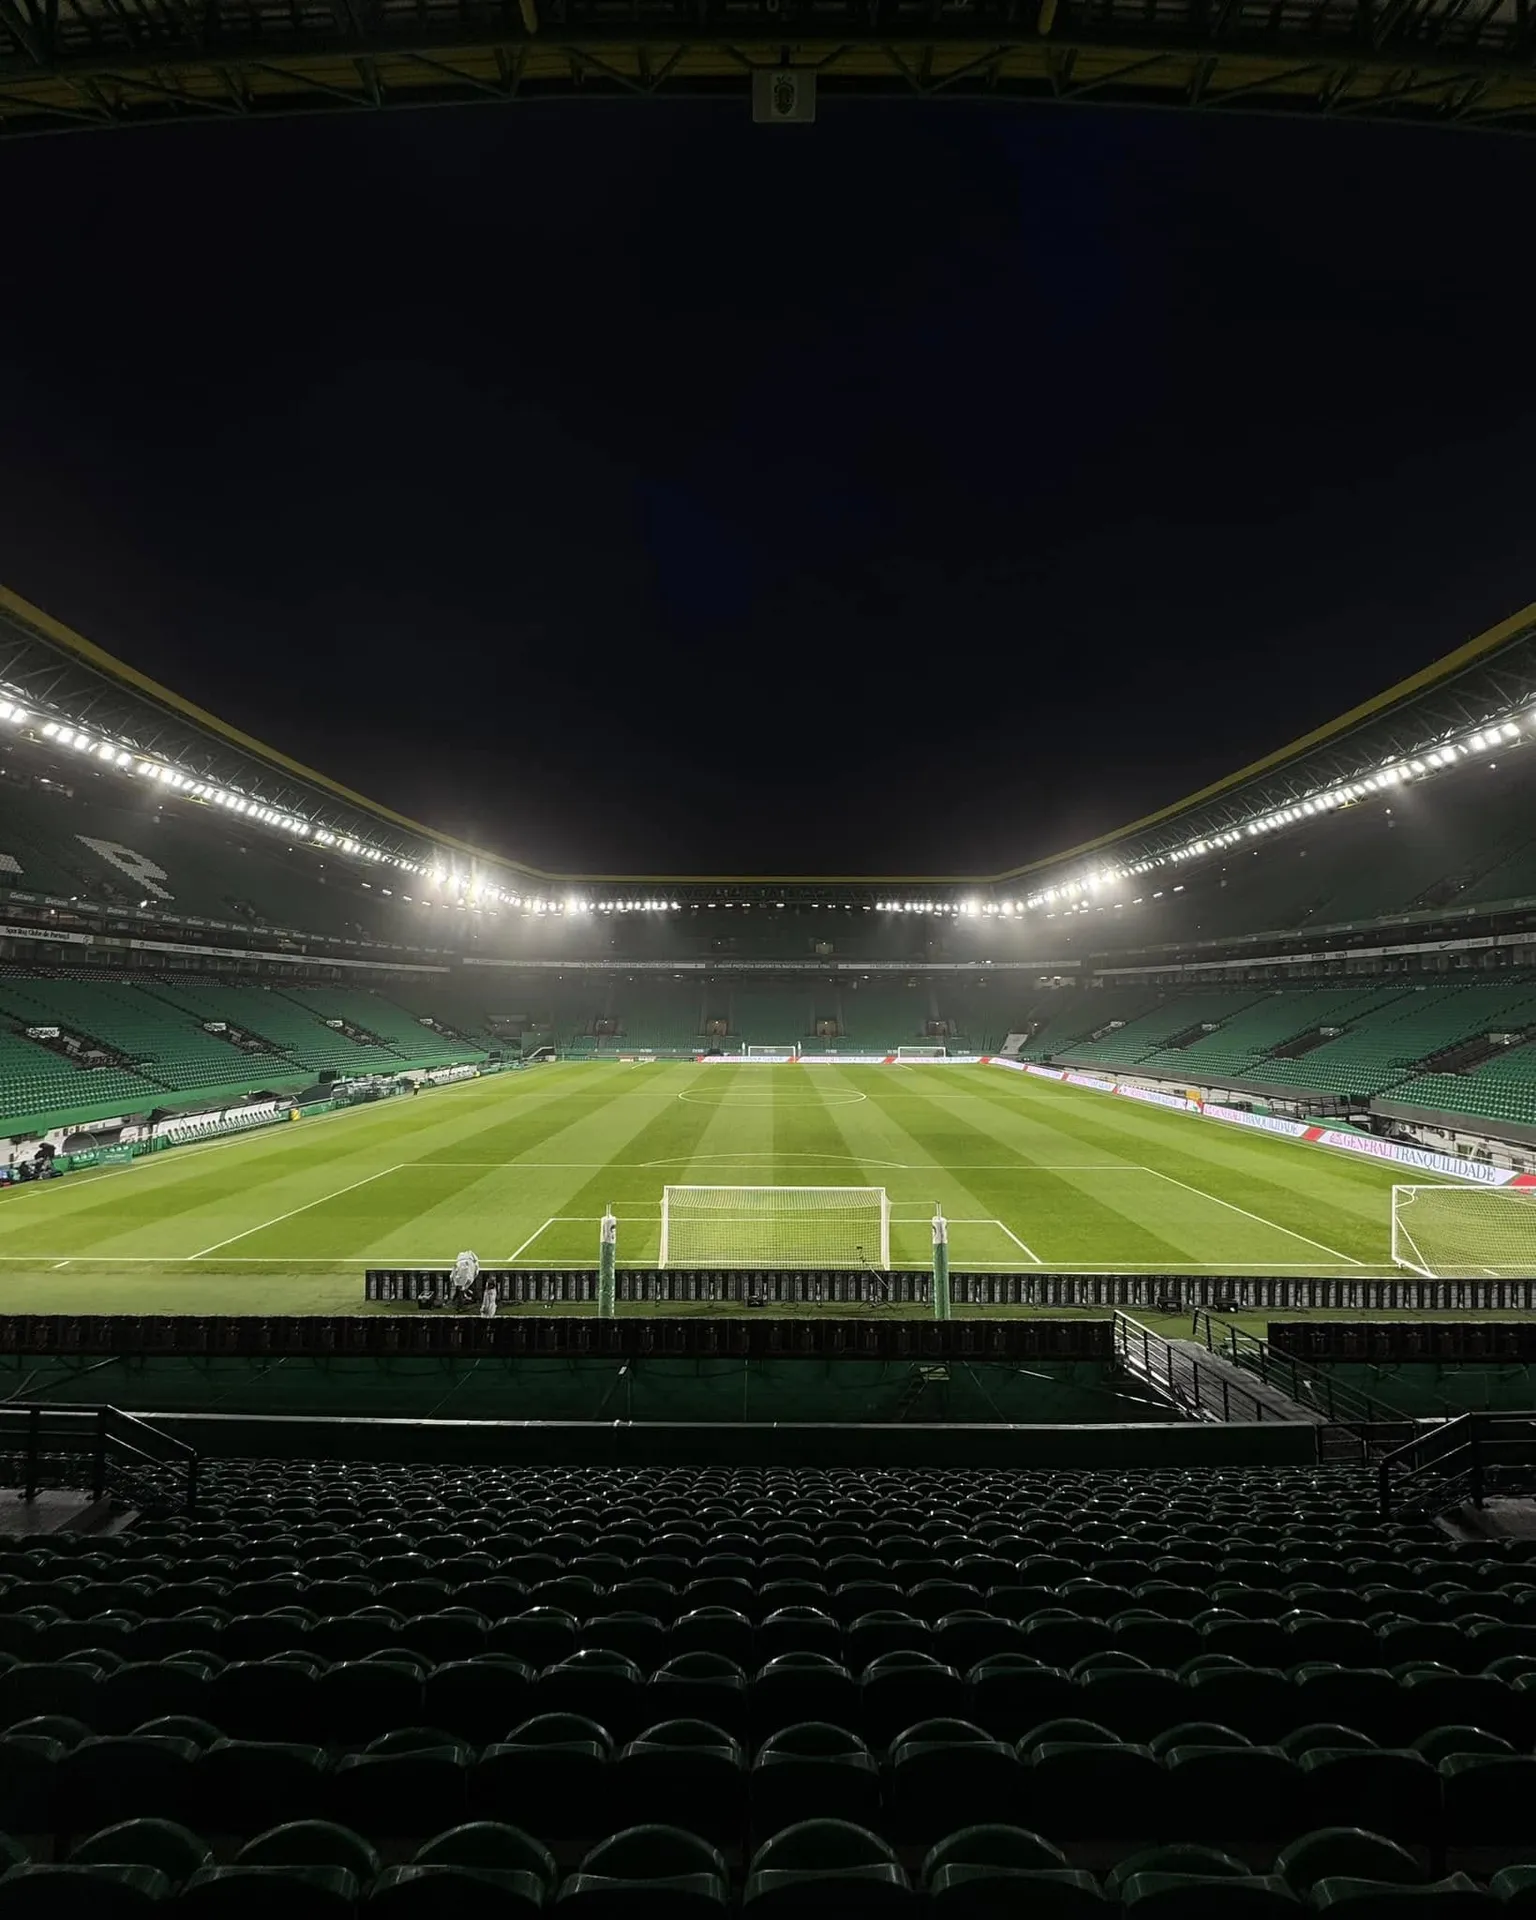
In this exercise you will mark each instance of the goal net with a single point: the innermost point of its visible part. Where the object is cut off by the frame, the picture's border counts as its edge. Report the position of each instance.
(788, 1051)
(775, 1227)
(921, 1053)
(1450, 1231)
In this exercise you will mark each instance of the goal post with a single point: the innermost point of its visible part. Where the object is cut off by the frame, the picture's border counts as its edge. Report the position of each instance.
(1446, 1230)
(775, 1227)
(922, 1053)
(789, 1050)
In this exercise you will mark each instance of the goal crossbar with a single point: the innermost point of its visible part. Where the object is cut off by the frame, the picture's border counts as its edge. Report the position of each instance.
(1449, 1230)
(764, 1226)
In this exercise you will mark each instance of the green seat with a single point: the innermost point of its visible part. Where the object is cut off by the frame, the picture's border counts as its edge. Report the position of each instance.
(1193, 1896)
(265, 1700)
(358, 1700)
(551, 1769)
(645, 1871)
(173, 1850)
(117, 1777)
(1516, 1887)
(1181, 1861)
(80, 1892)
(1225, 1792)
(1348, 1853)
(311, 1869)
(1011, 1693)
(699, 1686)
(411, 1781)
(1455, 1898)
(311, 1843)
(143, 1690)
(29, 1768)
(478, 1699)
(946, 1774)
(825, 1870)
(684, 1766)
(1489, 1797)
(243, 1892)
(480, 1871)
(263, 1782)
(813, 1769)
(1072, 1786)
(991, 1870)
(1391, 1791)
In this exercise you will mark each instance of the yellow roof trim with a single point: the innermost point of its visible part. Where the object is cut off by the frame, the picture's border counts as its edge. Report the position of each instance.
(101, 661)
(97, 658)
(1415, 683)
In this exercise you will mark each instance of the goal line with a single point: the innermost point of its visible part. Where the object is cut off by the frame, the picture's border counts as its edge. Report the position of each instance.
(1444, 1231)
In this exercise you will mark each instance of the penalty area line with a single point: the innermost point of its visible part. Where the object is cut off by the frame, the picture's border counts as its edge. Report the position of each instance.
(530, 1240)
(1019, 1243)
(1274, 1225)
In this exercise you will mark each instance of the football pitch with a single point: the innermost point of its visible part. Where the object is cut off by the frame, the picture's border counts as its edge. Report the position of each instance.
(520, 1167)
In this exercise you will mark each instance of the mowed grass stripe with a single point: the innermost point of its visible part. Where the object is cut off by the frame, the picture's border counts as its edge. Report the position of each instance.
(1060, 1215)
(1343, 1204)
(671, 1133)
(485, 1163)
(1122, 1215)
(171, 1205)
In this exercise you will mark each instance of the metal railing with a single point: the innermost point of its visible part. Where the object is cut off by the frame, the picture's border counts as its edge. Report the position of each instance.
(97, 1450)
(1457, 1462)
(1311, 1387)
(1204, 1393)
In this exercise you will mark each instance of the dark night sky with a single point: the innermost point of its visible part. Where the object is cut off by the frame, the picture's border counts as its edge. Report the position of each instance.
(634, 488)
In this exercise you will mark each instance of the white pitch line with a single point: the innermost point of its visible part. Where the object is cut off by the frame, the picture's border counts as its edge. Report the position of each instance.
(529, 1241)
(277, 1219)
(1317, 1267)
(1019, 1243)
(1274, 1225)
(680, 1160)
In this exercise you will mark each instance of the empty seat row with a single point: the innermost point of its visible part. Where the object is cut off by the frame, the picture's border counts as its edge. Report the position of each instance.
(292, 1689)
(561, 1772)
(822, 1867)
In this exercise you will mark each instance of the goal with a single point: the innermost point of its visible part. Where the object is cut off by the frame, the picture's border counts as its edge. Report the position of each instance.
(921, 1053)
(789, 1051)
(1452, 1230)
(775, 1227)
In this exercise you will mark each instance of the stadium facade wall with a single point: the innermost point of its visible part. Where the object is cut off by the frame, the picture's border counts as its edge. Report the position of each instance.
(634, 1394)
(347, 1410)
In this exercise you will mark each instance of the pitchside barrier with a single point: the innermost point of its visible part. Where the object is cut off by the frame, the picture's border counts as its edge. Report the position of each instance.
(1405, 1342)
(209, 1339)
(532, 1286)
(1165, 1292)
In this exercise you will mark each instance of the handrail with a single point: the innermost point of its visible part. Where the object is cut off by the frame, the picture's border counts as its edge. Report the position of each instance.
(1452, 1460)
(62, 1445)
(1202, 1391)
(1308, 1386)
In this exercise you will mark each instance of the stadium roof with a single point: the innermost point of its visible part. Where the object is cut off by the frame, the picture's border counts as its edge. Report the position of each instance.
(68, 64)
(57, 685)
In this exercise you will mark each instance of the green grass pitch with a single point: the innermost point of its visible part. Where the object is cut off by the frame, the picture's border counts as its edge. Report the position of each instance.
(521, 1166)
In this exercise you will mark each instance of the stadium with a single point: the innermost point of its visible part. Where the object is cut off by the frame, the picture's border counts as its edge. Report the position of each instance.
(969, 1393)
